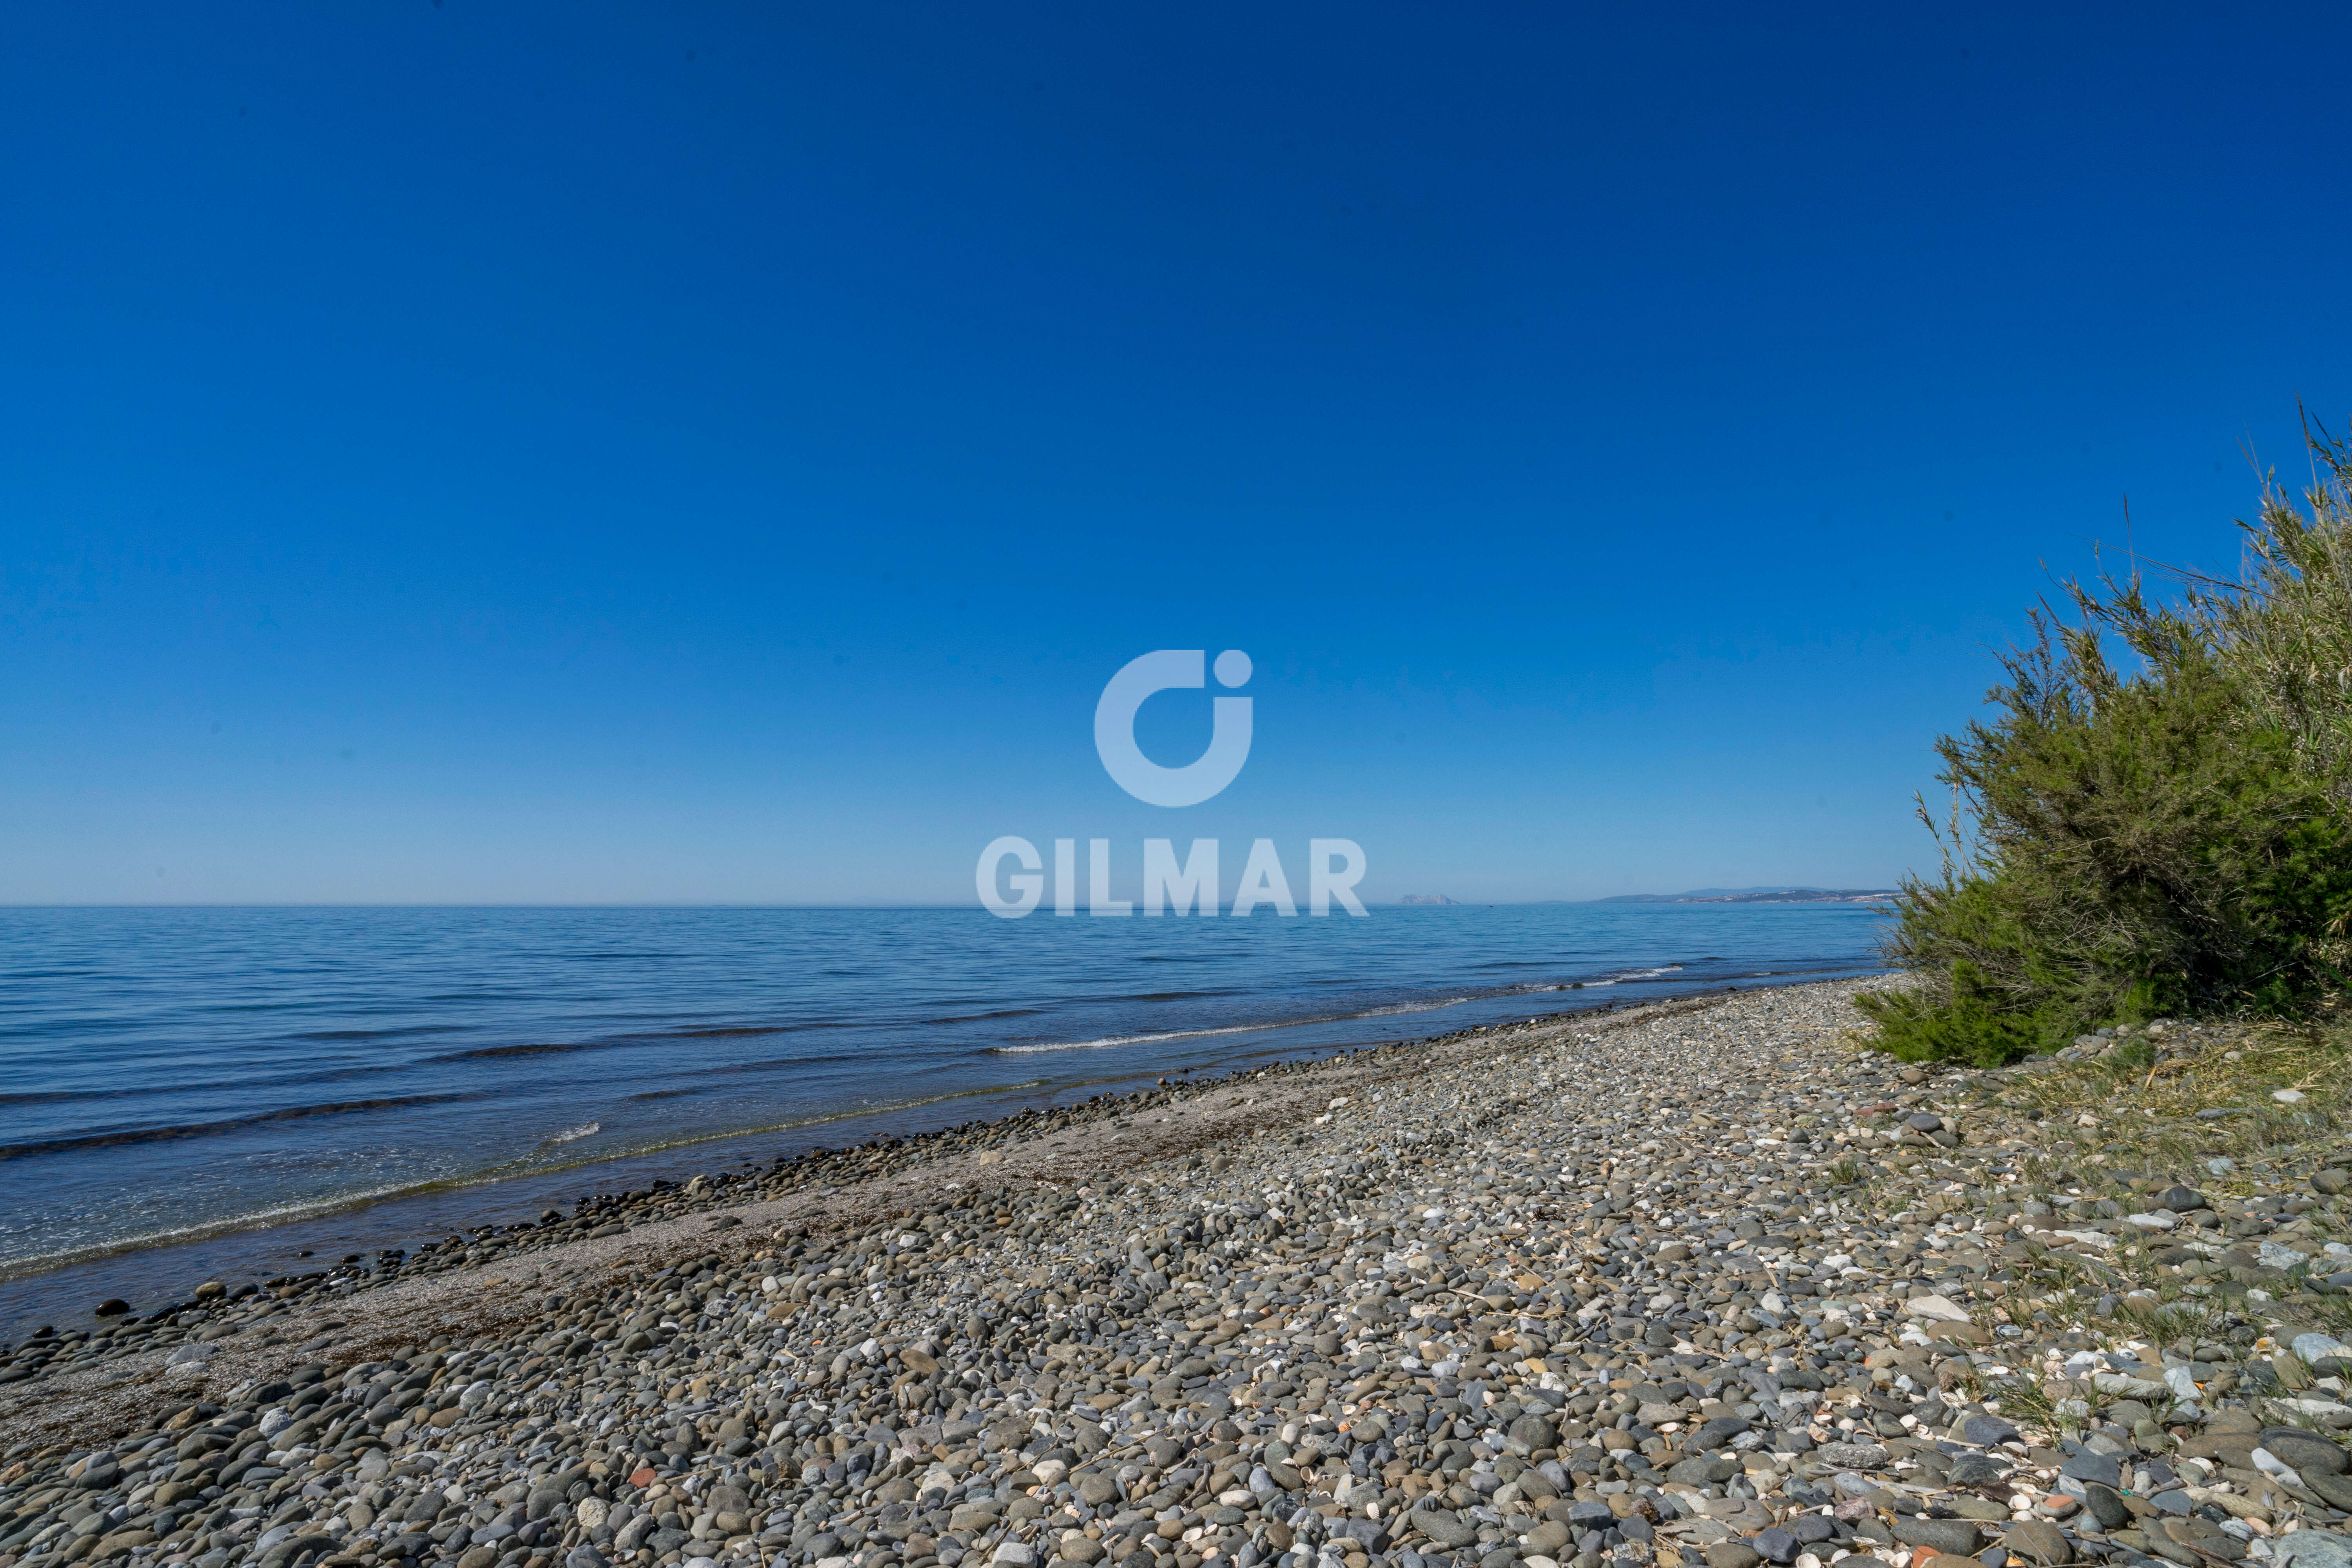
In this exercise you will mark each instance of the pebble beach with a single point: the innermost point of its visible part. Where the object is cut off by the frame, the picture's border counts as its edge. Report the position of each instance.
(1702, 1282)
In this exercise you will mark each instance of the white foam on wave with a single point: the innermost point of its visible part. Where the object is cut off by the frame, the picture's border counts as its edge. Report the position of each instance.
(1109, 1041)
(572, 1135)
(1630, 977)
(204, 1230)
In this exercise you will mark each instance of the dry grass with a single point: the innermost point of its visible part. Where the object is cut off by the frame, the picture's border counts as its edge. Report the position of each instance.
(2145, 1111)
(2143, 1133)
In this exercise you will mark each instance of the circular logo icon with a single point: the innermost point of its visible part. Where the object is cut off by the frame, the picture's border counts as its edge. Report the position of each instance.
(1171, 669)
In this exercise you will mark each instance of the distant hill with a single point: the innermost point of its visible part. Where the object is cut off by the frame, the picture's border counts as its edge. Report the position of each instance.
(1757, 896)
(1427, 899)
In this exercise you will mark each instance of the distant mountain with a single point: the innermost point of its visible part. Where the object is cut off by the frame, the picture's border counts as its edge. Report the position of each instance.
(1427, 899)
(1757, 896)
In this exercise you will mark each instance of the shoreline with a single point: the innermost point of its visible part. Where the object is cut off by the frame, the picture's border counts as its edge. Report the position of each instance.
(239, 1251)
(1046, 1150)
(572, 1020)
(1695, 1281)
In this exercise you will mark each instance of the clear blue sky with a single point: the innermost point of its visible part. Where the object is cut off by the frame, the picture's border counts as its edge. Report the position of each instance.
(505, 452)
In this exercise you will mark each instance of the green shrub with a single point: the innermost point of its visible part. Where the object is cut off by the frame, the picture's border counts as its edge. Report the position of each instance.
(2176, 838)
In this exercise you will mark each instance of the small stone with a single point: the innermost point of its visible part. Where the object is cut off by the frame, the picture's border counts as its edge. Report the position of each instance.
(2313, 1347)
(1548, 1538)
(2106, 1505)
(1774, 1545)
(1987, 1430)
(1014, 1554)
(1940, 1308)
(1703, 1470)
(2331, 1182)
(1976, 1470)
(2307, 1452)
(2311, 1549)
(1533, 1430)
(1719, 1432)
(2182, 1200)
(584, 1556)
(2332, 1490)
(1736, 1554)
(1955, 1535)
(2039, 1540)
(1444, 1526)
(2091, 1466)
(1852, 1455)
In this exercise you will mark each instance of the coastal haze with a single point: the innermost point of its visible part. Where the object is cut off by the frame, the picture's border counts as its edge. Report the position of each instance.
(245, 1086)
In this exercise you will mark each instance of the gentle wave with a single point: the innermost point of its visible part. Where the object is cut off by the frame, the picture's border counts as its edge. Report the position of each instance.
(390, 1032)
(235, 1086)
(503, 1052)
(252, 1219)
(573, 1134)
(229, 1124)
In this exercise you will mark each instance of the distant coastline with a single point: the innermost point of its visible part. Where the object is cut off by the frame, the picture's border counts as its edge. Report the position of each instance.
(1759, 895)
(1703, 896)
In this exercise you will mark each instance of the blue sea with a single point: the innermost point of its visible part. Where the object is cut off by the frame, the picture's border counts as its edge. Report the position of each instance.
(189, 1093)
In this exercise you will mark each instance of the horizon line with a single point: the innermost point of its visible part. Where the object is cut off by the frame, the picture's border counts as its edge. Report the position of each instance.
(749, 904)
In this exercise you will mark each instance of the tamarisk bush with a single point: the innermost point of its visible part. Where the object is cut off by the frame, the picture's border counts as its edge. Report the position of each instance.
(2157, 817)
